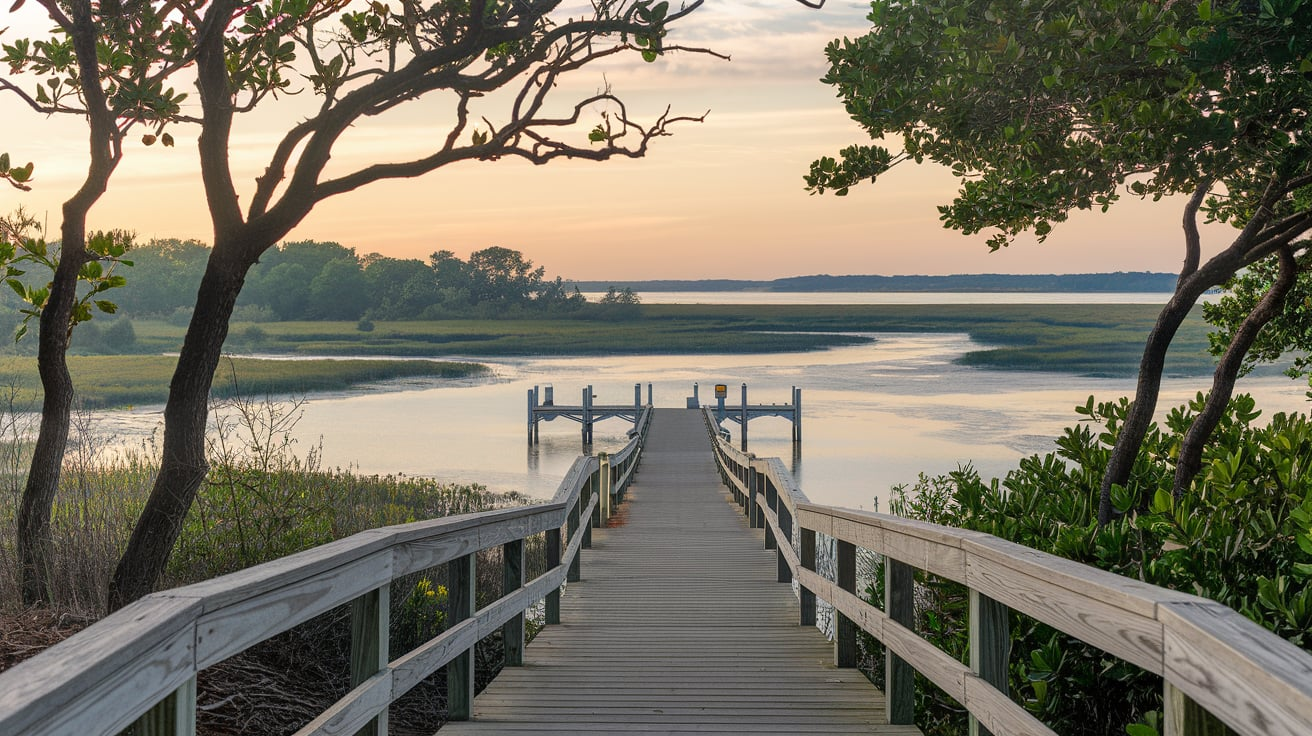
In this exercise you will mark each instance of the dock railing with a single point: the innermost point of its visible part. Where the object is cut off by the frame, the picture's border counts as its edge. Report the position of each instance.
(138, 666)
(1212, 660)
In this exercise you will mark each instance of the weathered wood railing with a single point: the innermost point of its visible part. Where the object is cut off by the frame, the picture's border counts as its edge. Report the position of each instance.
(138, 666)
(1214, 663)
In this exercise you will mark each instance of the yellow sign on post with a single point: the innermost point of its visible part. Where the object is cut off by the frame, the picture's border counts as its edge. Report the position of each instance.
(721, 390)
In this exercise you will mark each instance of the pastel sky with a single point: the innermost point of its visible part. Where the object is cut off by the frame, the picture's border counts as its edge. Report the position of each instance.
(718, 199)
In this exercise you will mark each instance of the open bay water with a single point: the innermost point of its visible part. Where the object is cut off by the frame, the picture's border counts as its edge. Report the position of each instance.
(874, 415)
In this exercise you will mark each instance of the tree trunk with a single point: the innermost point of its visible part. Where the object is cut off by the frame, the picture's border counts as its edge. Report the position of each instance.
(56, 318)
(1140, 416)
(183, 465)
(34, 539)
(1227, 371)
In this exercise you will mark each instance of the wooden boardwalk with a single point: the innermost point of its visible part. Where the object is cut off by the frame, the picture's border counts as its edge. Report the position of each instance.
(678, 625)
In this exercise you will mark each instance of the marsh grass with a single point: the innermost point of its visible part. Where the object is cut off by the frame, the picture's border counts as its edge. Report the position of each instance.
(264, 498)
(1089, 339)
(126, 380)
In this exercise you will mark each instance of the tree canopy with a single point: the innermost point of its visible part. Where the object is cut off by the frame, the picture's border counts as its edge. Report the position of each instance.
(494, 67)
(1042, 108)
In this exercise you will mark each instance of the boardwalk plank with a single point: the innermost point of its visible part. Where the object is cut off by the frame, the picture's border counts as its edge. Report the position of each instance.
(678, 626)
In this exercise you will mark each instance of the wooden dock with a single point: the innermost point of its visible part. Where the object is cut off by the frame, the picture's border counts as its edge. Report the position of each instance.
(678, 625)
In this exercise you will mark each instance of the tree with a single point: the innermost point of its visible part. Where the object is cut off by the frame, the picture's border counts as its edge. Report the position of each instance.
(502, 276)
(369, 62)
(1289, 331)
(339, 292)
(165, 275)
(109, 64)
(400, 289)
(1044, 108)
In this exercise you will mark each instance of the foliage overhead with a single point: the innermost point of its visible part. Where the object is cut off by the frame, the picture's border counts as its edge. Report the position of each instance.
(1042, 108)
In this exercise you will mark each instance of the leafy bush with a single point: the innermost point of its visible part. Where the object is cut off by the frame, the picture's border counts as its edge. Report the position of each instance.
(1242, 537)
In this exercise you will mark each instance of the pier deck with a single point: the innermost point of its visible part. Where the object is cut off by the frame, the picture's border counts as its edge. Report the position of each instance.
(678, 625)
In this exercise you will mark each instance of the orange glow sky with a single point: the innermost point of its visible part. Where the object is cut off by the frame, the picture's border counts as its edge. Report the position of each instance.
(720, 199)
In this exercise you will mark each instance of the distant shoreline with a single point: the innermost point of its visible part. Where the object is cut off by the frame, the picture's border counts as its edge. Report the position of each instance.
(1123, 281)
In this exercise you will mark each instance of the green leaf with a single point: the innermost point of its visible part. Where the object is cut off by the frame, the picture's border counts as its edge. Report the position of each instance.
(1163, 501)
(106, 306)
(649, 56)
(1205, 10)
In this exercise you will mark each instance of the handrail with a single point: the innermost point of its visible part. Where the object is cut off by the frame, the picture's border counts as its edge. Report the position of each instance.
(139, 664)
(1207, 654)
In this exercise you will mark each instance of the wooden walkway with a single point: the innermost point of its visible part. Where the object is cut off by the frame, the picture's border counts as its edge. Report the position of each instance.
(678, 625)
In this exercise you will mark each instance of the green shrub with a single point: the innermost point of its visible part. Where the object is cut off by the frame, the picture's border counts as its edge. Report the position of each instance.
(1242, 537)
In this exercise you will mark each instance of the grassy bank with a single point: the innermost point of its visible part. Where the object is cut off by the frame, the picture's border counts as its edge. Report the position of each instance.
(263, 498)
(1088, 339)
(126, 380)
(1097, 339)
(1085, 339)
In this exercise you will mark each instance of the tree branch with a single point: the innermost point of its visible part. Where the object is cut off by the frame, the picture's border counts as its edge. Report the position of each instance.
(1192, 239)
(1189, 461)
(216, 130)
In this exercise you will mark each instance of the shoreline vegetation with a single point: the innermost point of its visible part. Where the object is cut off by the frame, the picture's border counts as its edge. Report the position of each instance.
(1081, 339)
(118, 381)
(264, 497)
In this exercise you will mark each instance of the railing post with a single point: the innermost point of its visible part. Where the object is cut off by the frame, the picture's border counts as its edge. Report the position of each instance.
(175, 715)
(585, 496)
(990, 647)
(771, 501)
(785, 574)
(553, 561)
(806, 598)
(370, 614)
(460, 576)
(1184, 717)
(753, 500)
(899, 604)
(845, 654)
(743, 409)
(575, 573)
(603, 518)
(512, 579)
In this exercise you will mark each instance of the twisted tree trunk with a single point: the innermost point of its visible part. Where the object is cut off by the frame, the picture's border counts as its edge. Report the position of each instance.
(1227, 371)
(183, 465)
(55, 325)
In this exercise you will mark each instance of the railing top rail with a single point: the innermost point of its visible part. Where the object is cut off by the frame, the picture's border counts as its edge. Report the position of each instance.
(772, 466)
(644, 420)
(1254, 680)
(136, 656)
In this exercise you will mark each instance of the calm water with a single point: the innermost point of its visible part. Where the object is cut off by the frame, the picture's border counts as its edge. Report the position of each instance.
(895, 297)
(873, 415)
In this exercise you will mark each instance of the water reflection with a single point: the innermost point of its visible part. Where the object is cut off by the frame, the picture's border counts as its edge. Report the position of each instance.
(874, 415)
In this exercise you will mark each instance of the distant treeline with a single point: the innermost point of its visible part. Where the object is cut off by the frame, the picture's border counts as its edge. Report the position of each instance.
(311, 280)
(1121, 281)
